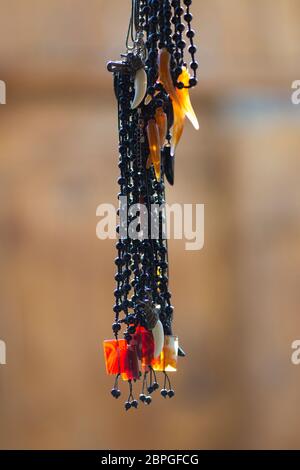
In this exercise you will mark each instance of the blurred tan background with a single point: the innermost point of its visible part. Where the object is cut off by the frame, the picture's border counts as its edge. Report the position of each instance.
(236, 302)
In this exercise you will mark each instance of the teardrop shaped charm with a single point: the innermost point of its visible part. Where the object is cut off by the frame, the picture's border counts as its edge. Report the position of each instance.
(168, 164)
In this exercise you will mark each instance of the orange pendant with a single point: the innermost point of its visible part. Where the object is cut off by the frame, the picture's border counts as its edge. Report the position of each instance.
(162, 124)
(178, 126)
(154, 146)
(167, 361)
(165, 76)
(121, 358)
(184, 98)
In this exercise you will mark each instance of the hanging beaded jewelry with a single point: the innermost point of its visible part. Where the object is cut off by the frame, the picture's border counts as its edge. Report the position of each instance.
(151, 83)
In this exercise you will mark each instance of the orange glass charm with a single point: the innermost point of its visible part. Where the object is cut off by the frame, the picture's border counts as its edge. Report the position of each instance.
(184, 98)
(167, 361)
(165, 76)
(154, 147)
(162, 124)
(181, 102)
(121, 359)
(178, 126)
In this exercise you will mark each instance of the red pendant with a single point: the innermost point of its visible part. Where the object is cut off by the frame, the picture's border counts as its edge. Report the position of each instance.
(121, 358)
(143, 339)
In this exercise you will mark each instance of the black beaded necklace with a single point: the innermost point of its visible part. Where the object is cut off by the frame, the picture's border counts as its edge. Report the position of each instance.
(151, 84)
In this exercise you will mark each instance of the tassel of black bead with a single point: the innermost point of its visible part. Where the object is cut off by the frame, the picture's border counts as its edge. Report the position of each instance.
(131, 402)
(142, 265)
(167, 392)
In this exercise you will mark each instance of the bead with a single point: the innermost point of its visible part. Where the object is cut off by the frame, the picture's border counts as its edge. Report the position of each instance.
(131, 330)
(118, 277)
(134, 404)
(117, 294)
(121, 181)
(125, 304)
(179, 11)
(187, 2)
(127, 337)
(180, 27)
(126, 286)
(181, 44)
(153, 37)
(116, 327)
(130, 319)
(127, 405)
(153, 20)
(168, 31)
(194, 65)
(148, 400)
(188, 17)
(127, 257)
(171, 393)
(180, 85)
(178, 71)
(150, 389)
(190, 34)
(193, 82)
(117, 308)
(192, 49)
(164, 393)
(154, 4)
(145, 10)
(122, 148)
(155, 386)
(142, 397)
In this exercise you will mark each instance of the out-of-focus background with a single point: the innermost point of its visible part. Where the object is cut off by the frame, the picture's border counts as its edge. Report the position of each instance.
(236, 301)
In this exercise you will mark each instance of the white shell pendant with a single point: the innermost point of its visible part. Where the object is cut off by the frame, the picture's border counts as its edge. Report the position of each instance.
(140, 87)
(159, 337)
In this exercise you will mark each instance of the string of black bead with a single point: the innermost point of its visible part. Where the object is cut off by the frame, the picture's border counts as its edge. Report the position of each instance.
(190, 34)
(151, 44)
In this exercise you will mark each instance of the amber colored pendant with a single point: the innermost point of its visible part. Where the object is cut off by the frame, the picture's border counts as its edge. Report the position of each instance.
(165, 76)
(162, 124)
(167, 361)
(184, 98)
(154, 147)
(178, 126)
(121, 359)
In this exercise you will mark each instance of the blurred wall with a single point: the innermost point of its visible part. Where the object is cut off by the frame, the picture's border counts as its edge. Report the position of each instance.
(236, 302)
